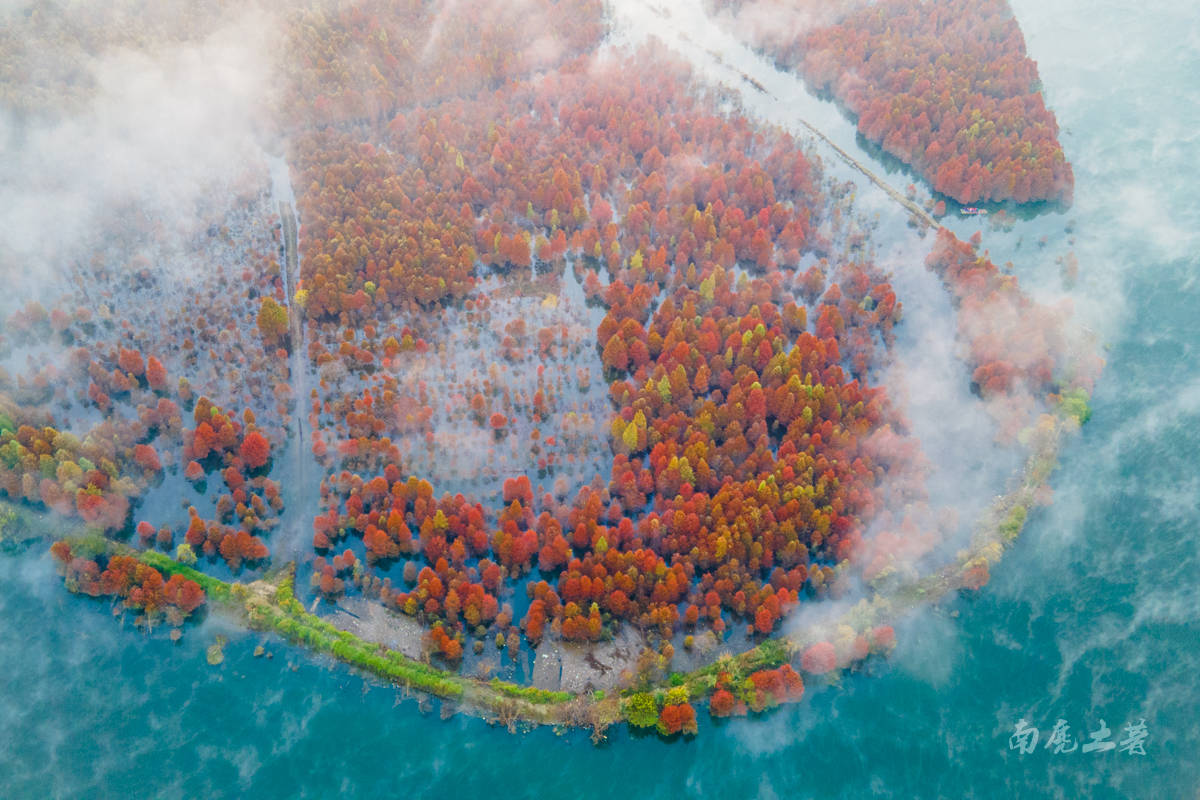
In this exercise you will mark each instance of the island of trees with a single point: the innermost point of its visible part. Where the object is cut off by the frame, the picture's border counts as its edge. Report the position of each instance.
(570, 355)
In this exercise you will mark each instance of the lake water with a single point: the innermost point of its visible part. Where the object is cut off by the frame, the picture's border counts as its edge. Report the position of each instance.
(1092, 615)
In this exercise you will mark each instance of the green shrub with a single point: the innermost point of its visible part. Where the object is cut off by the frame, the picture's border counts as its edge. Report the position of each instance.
(641, 710)
(1012, 525)
(1075, 404)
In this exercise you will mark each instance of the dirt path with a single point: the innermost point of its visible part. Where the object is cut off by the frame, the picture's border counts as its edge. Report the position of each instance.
(300, 445)
(290, 541)
(299, 373)
(911, 206)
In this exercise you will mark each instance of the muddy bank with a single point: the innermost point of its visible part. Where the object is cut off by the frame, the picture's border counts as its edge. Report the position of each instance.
(582, 667)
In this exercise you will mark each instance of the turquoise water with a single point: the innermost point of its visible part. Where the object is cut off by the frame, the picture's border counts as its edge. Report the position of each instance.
(1092, 615)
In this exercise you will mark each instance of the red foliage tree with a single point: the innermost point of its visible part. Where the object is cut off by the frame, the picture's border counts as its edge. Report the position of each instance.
(256, 450)
(156, 374)
(819, 658)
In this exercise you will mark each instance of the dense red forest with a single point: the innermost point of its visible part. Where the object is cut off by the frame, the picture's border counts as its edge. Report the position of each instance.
(705, 438)
(947, 87)
(738, 472)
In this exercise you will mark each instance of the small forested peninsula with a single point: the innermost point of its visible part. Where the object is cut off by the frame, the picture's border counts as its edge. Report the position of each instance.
(945, 86)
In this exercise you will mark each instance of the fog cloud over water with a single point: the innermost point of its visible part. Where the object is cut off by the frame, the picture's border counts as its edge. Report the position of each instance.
(154, 130)
(766, 23)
